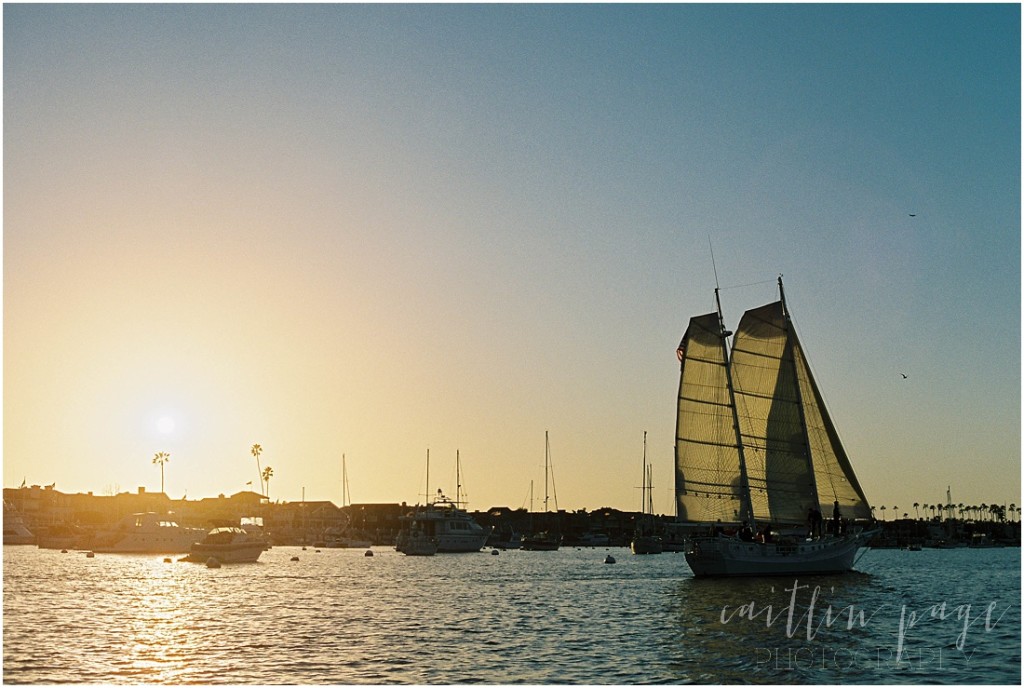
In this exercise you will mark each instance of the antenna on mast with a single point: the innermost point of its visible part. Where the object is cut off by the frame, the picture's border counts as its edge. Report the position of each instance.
(713, 266)
(718, 301)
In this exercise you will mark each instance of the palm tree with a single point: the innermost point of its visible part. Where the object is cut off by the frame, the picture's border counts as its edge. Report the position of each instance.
(256, 451)
(1013, 510)
(984, 510)
(916, 512)
(883, 513)
(268, 472)
(932, 507)
(895, 513)
(161, 458)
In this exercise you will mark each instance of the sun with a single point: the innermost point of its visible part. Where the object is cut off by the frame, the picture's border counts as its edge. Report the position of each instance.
(165, 425)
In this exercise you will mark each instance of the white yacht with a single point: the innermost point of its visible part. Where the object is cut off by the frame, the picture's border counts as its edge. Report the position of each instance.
(147, 533)
(452, 527)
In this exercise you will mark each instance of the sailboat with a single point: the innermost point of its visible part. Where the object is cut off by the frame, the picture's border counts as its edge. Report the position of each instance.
(543, 541)
(644, 540)
(347, 537)
(756, 450)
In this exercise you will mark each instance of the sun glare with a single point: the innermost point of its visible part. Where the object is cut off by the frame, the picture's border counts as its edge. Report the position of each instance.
(165, 425)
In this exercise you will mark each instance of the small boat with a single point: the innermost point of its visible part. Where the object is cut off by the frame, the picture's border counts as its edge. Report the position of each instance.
(506, 538)
(146, 533)
(346, 537)
(646, 544)
(229, 545)
(543, 541)
(594, 538)
(15, 530)
(348, 540)
(418, 544)
(644, 540)
(756, 445)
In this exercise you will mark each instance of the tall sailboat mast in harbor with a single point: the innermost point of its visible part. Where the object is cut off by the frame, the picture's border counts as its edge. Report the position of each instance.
(545, 540)
(756, 445)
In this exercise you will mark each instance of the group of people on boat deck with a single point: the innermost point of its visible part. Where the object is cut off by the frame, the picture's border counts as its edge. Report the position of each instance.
(815, 521)
(764, 536)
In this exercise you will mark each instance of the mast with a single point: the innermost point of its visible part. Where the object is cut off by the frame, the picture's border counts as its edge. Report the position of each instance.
(643, 482)
(426, 501)
(344, 483)
(746, 507)
(547, 452)
(650, 491)
(458, 480)
(799, 395)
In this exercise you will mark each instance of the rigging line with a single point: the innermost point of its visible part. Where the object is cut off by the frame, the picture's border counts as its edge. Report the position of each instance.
(741, 286)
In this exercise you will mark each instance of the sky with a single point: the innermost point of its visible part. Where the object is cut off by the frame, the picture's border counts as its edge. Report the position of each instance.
(378, 230)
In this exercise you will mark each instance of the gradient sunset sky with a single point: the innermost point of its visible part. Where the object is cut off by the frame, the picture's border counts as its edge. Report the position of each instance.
(378, 229)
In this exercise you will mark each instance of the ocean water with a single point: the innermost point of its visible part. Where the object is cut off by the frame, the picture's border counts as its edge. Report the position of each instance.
(566, 617)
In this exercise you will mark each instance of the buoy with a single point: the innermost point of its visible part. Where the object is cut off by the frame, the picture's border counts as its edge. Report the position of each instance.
(369, 553)
(213, 563)
(494, 552)
(318, 551)
(90, 555)
(63, 551)
(295, 558)
(167, 560)
(303, 548)
(609, 559)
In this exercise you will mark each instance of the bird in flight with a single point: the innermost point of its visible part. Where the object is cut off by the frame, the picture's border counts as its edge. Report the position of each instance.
(904, 375)
(913, 214)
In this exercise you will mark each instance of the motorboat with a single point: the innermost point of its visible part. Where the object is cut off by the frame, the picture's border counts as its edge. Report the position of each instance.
(646, 544)
(594, 539)
(146, 533)
(416, 543)
(452, 527)
(544, 541)
(229, 545)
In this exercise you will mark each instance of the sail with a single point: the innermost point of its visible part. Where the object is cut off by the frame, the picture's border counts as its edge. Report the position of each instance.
(833, 473)
(767, 397)
(708, 484)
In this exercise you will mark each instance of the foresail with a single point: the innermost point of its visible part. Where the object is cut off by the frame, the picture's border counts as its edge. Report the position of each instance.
(707, 458)
(768, 406)
(833, 472)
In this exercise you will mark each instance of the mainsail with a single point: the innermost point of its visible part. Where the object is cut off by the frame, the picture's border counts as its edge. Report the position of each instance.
(708, 481)
(753, 437)
(771, 417)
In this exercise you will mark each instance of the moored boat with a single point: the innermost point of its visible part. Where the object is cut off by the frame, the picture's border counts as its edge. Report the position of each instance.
(229, 545)
(453, 528)
(544, 541)
(646, 544)
(146, 533)
(644, 540)
(15, 530)
(416, 543)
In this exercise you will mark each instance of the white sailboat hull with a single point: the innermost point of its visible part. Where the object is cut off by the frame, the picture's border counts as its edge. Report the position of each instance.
(728, 556)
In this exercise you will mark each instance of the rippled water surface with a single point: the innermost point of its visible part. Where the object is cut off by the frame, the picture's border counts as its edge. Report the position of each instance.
(520, 617)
